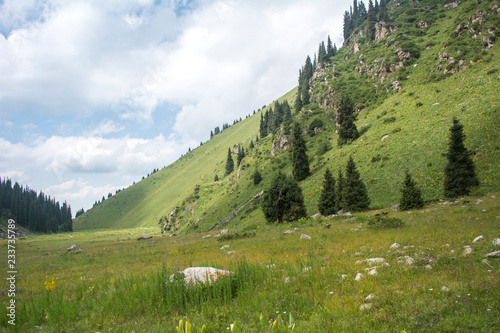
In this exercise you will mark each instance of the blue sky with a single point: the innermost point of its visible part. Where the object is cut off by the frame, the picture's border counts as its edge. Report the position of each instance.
(96, 94)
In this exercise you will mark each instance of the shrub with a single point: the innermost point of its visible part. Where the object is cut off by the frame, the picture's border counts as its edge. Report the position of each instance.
(237, 235)
(381, 222)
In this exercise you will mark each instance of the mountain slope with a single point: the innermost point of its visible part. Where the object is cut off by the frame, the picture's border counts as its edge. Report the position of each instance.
(408, 84)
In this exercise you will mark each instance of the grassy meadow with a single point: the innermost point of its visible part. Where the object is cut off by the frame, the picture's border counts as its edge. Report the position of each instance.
(119, 284)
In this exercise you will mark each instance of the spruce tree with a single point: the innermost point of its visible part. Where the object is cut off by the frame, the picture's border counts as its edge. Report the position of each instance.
(371, 21)
(348, 131)
(229, 162)
(338, 192)
(460, 173)
(326, 204)
(329, 49)
(322, 54)
(241, 154)
(257, 177)
(283, 200)
(298, 103)
(411, 197)
(300, 161)
(354, 193)
(304, 90)
(383, 15)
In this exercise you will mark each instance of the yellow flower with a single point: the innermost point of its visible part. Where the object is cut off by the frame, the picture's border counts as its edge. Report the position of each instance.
(50, 286)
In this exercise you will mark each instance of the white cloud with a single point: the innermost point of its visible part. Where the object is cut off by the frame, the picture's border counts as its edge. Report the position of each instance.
(79, 193)
(115, 63)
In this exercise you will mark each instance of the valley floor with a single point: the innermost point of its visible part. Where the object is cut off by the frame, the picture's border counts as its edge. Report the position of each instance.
(428, 275)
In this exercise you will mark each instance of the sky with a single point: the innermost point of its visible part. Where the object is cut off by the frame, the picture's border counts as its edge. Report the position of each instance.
(96, 94)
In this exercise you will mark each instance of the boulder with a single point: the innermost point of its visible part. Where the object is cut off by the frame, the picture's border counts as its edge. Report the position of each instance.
(365, 306)
(395, 208)
(359, 276)
(317, 215)
(304, 236)
(375, 261)
(194, 275)
(467, 250)
(394, 246)
(288, 232)
(224, 231)
(225, 247)
(73, 248)
(478, 239)
(145, 236)
(496, 242)
(369, 297)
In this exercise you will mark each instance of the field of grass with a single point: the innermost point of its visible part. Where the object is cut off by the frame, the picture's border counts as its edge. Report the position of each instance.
(119, 284)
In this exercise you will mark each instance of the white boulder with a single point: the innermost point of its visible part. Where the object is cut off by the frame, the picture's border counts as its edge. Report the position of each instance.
(193, 275)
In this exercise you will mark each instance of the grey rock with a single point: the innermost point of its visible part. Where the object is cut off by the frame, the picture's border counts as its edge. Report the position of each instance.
(304, 236)
(478, 239)
(73, 248)
(145, 236)
(495, 254)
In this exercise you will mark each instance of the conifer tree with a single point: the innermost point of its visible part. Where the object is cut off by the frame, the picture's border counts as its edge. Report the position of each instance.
(308, 69)
(229, 162)
(348, 130)
(300, 161)
(305, 93)
(383, 14)
(263, 125)
(322, 54)
(257, 177)
(371, 20)
(338, 192)
(354, 193)
(298, 103)
(411, 197)
(329, 49)
(241, 154)
(283, 200)
(460, 172)
(326, 204)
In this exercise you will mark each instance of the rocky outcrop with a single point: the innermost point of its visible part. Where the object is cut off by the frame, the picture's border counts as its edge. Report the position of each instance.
(452, 4)
(382, 30)
(281, 143)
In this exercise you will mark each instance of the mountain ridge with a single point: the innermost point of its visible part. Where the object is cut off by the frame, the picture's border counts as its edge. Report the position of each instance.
(403, 125)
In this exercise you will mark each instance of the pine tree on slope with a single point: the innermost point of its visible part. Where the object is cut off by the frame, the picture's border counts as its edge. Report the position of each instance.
(411, 197)
(326, 204)
(459, 173)
(229, 162)
(354, 193)
(300, 161)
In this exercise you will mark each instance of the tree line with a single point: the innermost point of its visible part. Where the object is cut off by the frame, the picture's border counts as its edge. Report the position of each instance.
(358, 14)
(32, 210)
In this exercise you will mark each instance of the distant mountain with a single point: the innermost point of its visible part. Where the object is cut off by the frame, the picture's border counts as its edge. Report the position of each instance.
(409, 71)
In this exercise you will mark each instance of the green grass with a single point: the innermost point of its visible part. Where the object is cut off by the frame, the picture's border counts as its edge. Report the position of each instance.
(120, 284)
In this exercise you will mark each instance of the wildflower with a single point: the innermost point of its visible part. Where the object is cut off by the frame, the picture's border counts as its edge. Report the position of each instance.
(50, 286)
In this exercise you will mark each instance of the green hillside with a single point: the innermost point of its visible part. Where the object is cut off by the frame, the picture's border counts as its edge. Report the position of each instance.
(431, 65)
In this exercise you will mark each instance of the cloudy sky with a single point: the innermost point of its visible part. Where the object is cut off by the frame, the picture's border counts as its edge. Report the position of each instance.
(96, 94)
